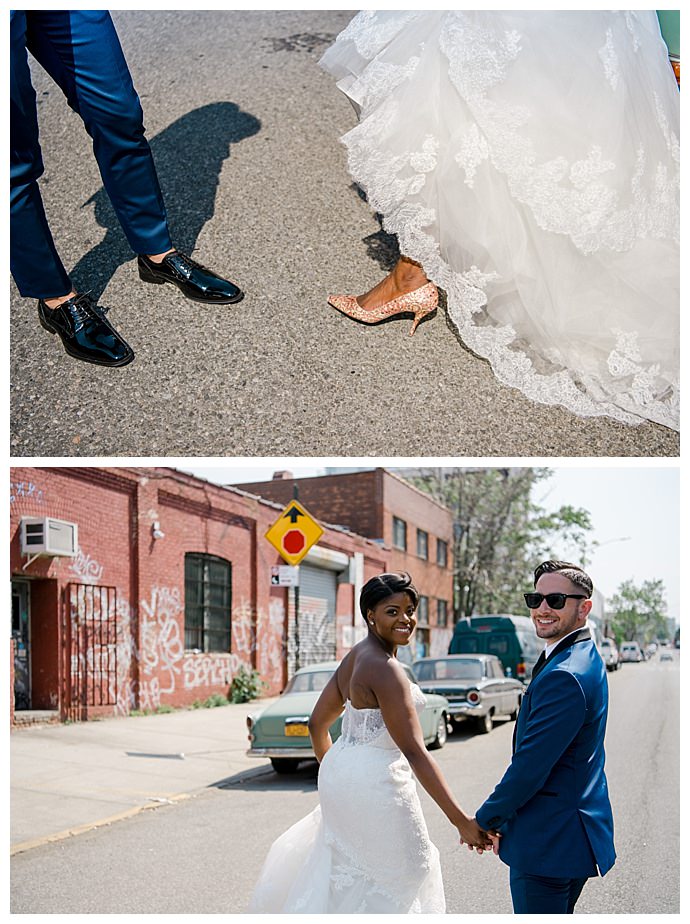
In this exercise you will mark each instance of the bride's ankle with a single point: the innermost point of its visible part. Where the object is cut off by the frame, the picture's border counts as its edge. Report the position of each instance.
(408, 274)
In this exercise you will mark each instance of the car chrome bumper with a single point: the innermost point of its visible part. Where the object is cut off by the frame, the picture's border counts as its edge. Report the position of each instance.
(296, 753)
(455, 710)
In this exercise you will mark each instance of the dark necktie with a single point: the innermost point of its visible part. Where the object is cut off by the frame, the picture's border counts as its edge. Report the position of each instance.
(541, 660)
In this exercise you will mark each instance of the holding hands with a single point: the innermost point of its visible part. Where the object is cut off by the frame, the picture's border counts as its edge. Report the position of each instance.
(476, 838)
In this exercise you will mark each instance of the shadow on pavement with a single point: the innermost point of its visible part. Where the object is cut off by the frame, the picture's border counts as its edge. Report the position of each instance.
(382, 247)
(265, 778)
(189, 156)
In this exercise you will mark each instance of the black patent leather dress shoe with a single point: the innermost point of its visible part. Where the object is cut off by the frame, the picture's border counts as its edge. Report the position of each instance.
(193, 279)
(85, 331)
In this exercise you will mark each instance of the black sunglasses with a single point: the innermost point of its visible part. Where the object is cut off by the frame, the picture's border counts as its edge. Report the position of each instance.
(555, 601)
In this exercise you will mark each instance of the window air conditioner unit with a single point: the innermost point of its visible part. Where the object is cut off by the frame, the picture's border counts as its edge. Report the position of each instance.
(48, 536)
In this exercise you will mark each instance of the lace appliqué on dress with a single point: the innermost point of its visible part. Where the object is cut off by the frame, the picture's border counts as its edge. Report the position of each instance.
(369, 34)
(609, 59)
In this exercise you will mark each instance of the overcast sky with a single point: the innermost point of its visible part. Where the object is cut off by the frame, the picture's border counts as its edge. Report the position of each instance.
(634, 511)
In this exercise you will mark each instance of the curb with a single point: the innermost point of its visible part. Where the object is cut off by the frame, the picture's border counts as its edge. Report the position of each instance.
(157, 802)
(92, 825)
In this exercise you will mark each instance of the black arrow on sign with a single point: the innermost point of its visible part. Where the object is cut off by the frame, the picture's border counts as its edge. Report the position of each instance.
(293, 513)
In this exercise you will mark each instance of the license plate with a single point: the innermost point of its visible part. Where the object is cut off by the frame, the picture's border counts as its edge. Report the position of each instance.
(297, 731)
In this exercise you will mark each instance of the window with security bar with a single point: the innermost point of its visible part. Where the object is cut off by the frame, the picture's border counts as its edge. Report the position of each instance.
(207, 602)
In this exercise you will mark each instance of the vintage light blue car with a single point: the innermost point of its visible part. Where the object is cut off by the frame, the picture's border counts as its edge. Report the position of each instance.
(280, 730)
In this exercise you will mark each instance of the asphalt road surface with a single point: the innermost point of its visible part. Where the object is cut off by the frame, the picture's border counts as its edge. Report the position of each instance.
(244, 127)
(204, 854)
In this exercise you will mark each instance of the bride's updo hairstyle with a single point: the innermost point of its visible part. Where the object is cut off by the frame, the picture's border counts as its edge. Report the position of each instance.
(386, 585)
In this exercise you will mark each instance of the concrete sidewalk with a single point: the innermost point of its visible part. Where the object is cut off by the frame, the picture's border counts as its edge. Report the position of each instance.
(70, 778)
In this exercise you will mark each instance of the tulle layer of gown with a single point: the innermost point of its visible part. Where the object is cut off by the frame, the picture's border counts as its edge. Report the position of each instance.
(365, 849)
(530, 162)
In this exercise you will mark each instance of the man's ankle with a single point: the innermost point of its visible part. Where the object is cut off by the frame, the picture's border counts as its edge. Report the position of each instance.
(54, 303)
(159, 257)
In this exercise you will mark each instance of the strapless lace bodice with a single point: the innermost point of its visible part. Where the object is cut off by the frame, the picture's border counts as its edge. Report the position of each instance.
(364, 726)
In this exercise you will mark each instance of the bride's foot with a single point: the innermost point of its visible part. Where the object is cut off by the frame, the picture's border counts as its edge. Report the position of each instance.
(405, 277)
(406, 291)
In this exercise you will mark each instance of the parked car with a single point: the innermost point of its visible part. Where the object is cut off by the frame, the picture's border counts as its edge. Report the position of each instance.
(631, 651)
(475, 686)
(513, 639)
(280, 731)
(666, 656)
(610, 654)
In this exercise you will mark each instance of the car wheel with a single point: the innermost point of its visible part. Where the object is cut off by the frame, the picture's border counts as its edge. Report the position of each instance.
(441, 733)
(284, 764)
(485, 723)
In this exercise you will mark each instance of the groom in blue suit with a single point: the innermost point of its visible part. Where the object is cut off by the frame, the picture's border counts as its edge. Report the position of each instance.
(552, 809)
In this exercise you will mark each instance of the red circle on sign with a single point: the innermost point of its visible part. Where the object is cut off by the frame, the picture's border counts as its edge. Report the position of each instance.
(294, 541)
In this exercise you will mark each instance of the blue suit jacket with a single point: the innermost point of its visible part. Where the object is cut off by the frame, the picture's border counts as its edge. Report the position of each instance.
(552, 805)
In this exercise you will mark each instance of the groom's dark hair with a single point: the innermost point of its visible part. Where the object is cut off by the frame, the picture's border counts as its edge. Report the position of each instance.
(574, 573)
(385, 585)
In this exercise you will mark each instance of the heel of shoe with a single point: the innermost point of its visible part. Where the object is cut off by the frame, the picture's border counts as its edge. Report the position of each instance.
(147, 276)
(419, 315)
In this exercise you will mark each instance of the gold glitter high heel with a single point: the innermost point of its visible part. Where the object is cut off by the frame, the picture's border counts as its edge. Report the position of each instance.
(420, 303)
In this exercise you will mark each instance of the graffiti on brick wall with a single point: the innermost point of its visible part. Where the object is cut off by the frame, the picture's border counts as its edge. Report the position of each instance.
(124, 691)
(86, 568)
(275, 648)
(208, 670)
(164, 667)
(26, 490)
(162, 646)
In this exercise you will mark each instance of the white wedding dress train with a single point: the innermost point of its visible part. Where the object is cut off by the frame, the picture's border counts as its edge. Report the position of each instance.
(365, 849)
(530, 162)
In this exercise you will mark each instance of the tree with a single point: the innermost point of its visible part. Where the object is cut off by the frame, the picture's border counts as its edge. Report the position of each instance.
(639, 613)
(500, 533)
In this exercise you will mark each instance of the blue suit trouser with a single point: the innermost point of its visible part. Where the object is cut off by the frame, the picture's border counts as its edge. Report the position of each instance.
(80, 50)
(544, 894)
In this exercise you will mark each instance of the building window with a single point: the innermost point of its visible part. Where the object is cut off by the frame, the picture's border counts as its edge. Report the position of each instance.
(441, 612)
(399, 533)
(423, 611)
(442, 553)
(207, 602)
(422, 544)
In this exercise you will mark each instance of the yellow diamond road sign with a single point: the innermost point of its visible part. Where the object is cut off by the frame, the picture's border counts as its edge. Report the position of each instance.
(294, 533)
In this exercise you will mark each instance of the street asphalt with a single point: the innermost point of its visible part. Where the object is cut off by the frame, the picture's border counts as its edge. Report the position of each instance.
(68, 779)
(244, 127)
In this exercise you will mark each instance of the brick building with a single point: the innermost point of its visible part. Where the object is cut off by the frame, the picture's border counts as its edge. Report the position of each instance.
(383, 506)
(152, 587)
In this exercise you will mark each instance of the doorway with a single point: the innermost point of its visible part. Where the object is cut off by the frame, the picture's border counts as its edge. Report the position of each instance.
(21, 635)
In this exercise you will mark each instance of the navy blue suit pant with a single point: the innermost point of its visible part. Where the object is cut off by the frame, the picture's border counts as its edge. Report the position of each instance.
(82, 53)
(544, 894)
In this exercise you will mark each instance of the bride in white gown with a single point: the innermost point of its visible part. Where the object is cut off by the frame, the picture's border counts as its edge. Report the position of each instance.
(528, 163)
(365, 849)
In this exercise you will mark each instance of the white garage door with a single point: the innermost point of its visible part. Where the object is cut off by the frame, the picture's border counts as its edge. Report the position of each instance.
(315, 632)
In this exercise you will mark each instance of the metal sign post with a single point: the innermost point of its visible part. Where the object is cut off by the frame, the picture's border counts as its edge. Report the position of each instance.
(295, 496)
(292, 535)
